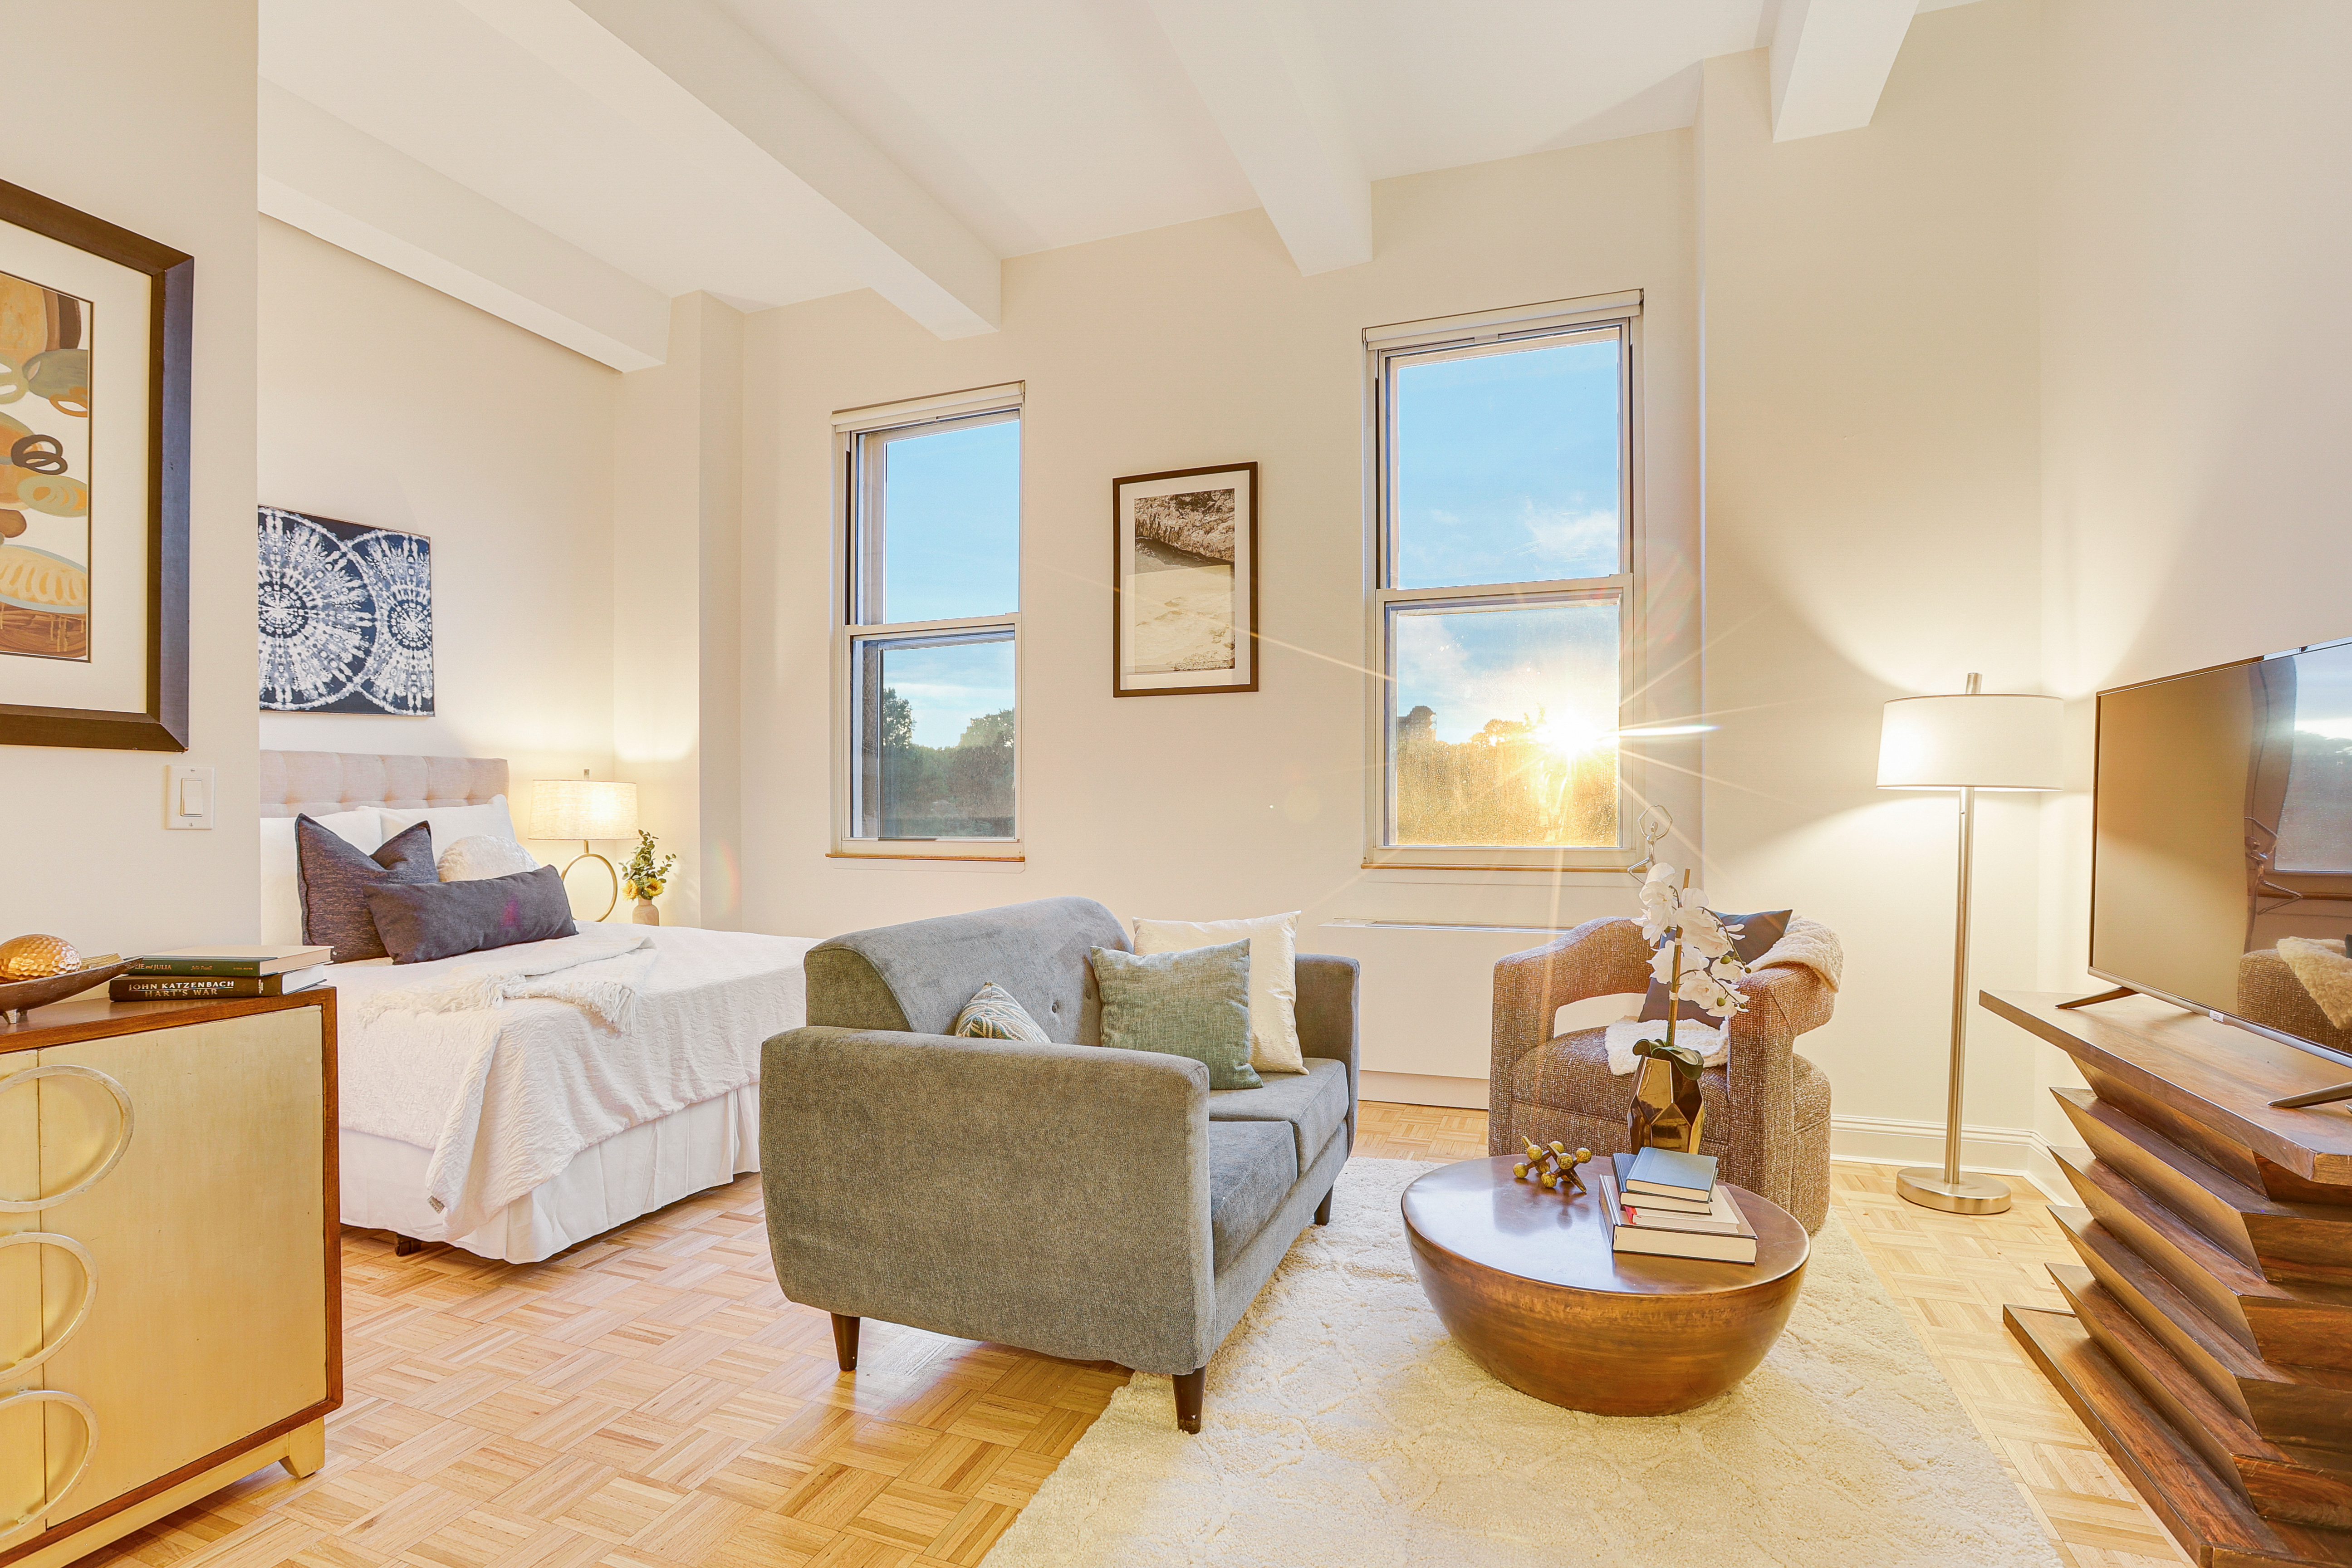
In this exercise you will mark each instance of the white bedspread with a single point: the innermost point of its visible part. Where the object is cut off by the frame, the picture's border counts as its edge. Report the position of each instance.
(505, 1098)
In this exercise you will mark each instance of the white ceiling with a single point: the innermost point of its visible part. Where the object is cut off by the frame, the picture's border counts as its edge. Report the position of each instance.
(1019, 125)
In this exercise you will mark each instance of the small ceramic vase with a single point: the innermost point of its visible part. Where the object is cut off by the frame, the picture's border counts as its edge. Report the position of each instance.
(1667, 1111)
(644, 914)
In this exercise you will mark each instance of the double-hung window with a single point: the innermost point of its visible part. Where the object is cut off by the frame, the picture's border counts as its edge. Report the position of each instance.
(1506, 609)
(928, 651)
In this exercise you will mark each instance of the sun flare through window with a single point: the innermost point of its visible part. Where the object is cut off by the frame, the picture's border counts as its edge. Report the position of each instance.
(1503, 603)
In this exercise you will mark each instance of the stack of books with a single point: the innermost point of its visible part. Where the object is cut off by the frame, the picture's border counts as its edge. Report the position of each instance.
(1669, 1205)
(204, 973)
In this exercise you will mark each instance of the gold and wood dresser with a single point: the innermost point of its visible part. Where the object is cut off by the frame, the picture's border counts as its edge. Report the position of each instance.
(170, 1286)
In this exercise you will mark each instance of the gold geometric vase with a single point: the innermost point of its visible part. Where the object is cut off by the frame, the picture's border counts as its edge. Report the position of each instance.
(1667, 1111)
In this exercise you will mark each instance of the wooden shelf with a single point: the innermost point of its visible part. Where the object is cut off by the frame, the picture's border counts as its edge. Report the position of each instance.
(2210, 1347)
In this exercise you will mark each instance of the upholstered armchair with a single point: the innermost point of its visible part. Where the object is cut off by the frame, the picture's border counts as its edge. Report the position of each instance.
(1767, 1108)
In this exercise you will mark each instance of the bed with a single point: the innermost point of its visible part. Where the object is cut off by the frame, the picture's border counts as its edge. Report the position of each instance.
(517, 1132)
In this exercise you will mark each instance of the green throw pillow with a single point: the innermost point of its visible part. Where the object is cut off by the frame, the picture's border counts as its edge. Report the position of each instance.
(992, 1013)
(1193, 1003)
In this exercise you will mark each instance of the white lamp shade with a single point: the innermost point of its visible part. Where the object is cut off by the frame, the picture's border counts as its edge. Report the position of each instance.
(1981, 740)
(583, 808)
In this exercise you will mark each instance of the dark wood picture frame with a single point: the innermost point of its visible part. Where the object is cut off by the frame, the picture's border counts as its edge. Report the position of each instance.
(1245, 635)
(161, 725)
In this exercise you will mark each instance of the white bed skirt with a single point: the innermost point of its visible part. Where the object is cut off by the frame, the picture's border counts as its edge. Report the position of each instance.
(608, 1184)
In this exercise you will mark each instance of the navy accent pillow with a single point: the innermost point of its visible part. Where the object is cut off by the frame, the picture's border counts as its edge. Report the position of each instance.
(333, 876)
(1752, 943)
(441, 919)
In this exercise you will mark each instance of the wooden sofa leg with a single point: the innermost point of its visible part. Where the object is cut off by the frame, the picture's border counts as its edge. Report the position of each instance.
(1323, 1209)
(1190, 1386)
(845, 1341)
(402, 1246)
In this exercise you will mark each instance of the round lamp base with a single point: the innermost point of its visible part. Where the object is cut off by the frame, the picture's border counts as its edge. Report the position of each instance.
(1926, 1186)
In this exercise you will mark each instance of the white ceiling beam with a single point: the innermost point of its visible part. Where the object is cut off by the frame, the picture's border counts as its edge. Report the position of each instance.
(692, 78)
(1830, 62)
(334, 180)
(1274, 101)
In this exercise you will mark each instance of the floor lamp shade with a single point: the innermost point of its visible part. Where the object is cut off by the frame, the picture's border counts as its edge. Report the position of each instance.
(1973, 741)
(583, 808)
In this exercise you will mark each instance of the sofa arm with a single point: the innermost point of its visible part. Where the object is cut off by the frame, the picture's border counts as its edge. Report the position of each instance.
(1599, 958)
(1054, 1197)
(1327, 1018)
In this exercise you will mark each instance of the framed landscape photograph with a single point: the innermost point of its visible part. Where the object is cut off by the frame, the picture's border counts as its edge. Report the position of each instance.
(1184, 582)
(94, 330)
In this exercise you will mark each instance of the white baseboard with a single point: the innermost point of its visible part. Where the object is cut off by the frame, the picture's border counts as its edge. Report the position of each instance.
(2002, 1151)
(1422, 1089)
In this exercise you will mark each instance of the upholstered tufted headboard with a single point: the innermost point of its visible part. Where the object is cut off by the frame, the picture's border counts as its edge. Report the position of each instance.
(320, 781)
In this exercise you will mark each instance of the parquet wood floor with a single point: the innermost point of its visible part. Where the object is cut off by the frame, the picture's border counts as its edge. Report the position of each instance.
(650, 1400)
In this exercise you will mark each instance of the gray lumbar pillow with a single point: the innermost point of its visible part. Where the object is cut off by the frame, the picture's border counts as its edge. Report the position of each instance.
(333, 877)
(427, 920)
(1192, 1004)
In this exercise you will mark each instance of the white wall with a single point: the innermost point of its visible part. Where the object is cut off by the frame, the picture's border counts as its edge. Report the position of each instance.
(1872, 532)
(1186, 346)
(2196, 216)
(159, 139)
(386, 403)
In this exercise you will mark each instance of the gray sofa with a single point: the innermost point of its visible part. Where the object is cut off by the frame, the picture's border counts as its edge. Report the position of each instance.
(1089, 1204)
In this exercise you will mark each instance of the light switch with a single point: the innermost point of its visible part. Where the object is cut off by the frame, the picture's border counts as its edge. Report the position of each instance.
(187, 796)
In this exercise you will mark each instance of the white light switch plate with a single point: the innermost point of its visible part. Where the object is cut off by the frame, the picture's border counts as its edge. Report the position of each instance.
(187, 796)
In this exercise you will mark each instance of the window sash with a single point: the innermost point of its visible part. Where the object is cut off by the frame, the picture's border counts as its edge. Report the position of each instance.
(1501, 332)
(862, 530)
(869, 522)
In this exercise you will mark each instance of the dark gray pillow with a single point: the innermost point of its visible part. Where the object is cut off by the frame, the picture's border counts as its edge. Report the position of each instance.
(442, 920)
(333, 876)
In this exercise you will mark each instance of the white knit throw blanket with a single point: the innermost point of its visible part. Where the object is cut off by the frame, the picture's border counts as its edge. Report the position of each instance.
(1807, 945)
(547, 969)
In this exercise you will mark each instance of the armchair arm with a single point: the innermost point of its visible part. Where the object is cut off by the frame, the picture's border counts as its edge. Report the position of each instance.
(1599, 958)
(1782, 1002)
(1051, 1196)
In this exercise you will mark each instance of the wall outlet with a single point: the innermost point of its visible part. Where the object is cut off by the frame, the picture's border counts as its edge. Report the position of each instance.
(187, 796)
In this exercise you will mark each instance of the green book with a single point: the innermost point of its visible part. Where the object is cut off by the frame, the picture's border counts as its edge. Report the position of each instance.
(1670, 1174)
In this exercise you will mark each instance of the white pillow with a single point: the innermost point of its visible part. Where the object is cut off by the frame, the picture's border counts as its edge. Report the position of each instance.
(451, 823)
(480, 855)
(1274, 976)
(281, 895)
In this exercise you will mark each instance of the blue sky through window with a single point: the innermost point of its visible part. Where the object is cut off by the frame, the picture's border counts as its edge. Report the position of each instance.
(1506, 465)
(952, 521)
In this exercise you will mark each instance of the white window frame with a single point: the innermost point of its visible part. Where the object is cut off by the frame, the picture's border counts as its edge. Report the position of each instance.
(848, 631)
(1641, 782)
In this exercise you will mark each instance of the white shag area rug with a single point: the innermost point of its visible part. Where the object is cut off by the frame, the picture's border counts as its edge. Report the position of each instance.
(1344, 1429)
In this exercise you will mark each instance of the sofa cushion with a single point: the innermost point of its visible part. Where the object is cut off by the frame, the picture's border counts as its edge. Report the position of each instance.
(1253, 1165)
(1313, 1105)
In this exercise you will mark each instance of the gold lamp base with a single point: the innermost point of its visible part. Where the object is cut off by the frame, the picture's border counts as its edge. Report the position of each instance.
(1927, 1186)
(610, 870)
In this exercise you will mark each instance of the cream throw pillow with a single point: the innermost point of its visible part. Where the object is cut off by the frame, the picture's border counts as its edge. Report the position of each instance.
(1274, 976)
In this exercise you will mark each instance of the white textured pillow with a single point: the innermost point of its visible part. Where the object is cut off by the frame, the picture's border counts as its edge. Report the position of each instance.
(281, 894)
(481, 855)
(1274, 976)
(451, 823)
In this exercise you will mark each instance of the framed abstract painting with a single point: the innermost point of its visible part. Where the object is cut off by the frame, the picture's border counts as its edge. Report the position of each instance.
(94, 332)
(346, 617)
(1184, 582)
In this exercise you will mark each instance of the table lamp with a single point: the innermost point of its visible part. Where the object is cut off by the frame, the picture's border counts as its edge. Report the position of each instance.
(1978, 740)
(585, 808)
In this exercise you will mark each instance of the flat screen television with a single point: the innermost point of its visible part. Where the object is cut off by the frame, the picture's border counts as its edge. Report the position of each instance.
(2222, 828)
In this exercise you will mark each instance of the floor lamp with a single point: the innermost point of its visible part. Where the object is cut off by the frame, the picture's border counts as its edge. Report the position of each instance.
(1978, 740)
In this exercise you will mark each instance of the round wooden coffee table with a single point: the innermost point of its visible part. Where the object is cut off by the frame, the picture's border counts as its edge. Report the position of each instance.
(1527, 1285)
